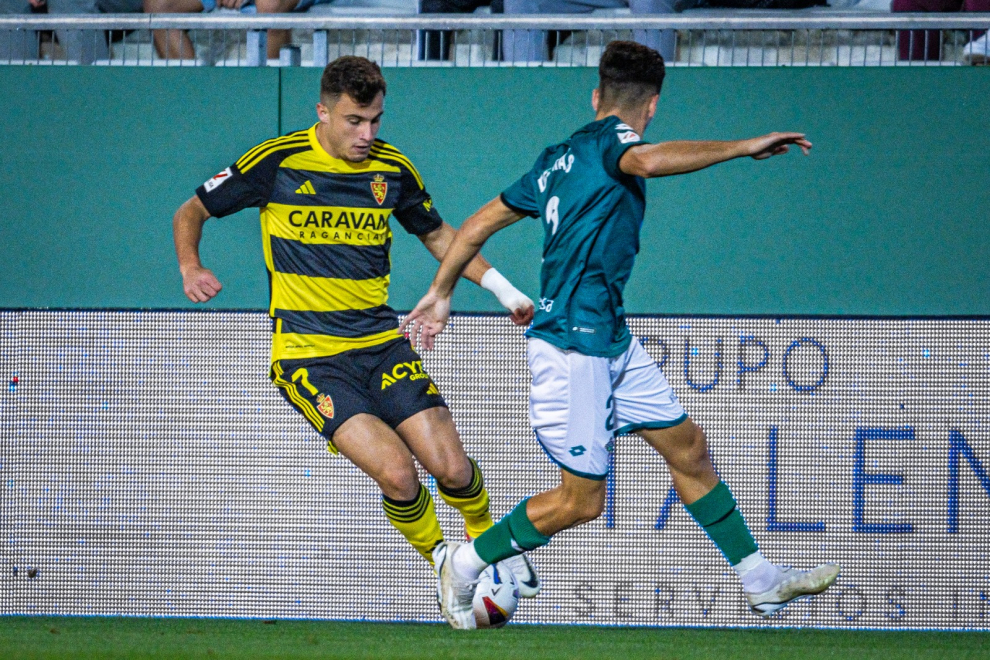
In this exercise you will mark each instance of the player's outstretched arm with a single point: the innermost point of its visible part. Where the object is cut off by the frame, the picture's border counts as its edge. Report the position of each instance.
(198, 282)
(430, 316)
(483, 274)
(683, 156)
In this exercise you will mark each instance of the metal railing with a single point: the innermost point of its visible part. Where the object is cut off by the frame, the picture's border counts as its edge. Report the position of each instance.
(696, 38)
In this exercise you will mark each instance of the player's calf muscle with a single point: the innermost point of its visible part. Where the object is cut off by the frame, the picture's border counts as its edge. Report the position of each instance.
(569, 514)
(582, 511)
(562, 508)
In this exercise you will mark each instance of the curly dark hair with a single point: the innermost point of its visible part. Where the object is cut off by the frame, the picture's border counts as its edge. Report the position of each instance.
(629, 74)
(359, 78)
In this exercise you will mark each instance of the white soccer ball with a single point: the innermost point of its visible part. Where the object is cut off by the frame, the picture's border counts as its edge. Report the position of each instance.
(496, 597)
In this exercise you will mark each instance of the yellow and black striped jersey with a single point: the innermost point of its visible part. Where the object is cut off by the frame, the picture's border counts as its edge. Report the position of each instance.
(325, 227)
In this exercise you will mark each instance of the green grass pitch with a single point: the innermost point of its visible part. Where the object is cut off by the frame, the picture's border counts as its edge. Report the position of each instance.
(29, 638)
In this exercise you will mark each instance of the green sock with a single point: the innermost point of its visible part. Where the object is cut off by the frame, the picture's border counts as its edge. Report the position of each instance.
(512, 535)
(717, 514)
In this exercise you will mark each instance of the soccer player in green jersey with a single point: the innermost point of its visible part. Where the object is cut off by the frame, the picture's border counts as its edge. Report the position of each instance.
(326, 197)
(590, 382)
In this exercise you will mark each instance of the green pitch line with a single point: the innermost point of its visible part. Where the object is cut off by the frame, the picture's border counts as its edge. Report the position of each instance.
(67, 638)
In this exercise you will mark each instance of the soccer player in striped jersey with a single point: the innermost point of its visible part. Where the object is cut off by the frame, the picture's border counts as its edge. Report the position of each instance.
(327, 197)
(591, 382)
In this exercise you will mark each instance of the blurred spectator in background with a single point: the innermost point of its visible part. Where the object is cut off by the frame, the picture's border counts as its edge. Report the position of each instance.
(927, 44)
(681, 5)
(977, 51)
(533, 45)
(79, 45)
(435, 44)
(175, 44)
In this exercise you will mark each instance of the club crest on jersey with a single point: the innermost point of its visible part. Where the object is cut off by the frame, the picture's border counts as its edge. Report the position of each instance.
(379, 188)
(325, 405)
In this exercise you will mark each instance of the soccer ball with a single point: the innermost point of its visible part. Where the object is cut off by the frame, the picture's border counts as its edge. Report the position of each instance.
(496, 597)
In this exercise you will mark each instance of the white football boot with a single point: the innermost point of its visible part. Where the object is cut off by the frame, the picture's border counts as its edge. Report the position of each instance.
(793, 584)
(529, 582)
(455, 593)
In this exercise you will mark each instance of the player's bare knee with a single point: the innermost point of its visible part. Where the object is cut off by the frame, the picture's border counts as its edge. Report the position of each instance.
(399, 483)
(447, 462)
(694, 457)
(454, 474)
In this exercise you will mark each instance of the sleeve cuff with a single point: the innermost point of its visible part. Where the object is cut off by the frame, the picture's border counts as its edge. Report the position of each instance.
(622, 152)
(416, 220)
(204, 198)
(515, 208)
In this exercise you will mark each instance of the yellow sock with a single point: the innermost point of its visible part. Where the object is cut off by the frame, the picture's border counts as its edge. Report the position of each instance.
(472, 502)
(417, 521)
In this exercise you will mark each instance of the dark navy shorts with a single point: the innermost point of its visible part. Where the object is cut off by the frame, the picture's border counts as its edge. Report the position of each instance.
(387, 381)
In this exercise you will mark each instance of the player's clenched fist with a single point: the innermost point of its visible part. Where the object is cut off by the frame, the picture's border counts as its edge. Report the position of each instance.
(200, 284)
(523, 315)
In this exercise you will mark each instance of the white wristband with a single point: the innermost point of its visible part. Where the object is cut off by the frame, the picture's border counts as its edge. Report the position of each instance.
(511, 298)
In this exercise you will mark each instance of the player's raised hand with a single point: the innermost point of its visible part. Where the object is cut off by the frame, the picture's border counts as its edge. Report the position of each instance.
(427, 320)
(775, 144)
(200, 284)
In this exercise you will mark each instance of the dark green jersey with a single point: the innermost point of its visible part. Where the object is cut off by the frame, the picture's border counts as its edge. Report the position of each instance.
(592, 215)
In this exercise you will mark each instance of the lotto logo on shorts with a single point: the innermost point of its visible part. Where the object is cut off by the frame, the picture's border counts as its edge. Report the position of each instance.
(577, 451)
(410, 370)
(325, 405)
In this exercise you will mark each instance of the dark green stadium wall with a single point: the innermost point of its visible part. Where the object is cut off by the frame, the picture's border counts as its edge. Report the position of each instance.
(889, 216)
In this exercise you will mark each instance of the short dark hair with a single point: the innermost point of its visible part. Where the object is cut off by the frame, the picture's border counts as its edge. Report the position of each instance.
(359, 78)
(629, 74)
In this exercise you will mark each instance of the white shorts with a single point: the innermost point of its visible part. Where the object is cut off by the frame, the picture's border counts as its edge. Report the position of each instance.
(579, 403)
